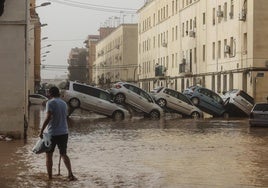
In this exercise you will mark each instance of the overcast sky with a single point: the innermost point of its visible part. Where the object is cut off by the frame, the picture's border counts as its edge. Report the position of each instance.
(69, 22)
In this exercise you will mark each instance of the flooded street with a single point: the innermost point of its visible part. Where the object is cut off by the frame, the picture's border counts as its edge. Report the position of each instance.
(172, 152)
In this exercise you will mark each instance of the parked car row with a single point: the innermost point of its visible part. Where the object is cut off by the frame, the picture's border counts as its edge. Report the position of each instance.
(122, 96)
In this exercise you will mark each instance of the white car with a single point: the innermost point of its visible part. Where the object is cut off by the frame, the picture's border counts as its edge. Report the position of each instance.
(238, 102)
(90, 98)
(37, 99)
(173, 100)
(137, 98)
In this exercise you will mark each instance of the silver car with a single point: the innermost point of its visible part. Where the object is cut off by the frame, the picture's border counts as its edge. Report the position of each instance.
(94, 99)
(238, 102)
(140, 100)
(37, 99)
(259, 115)
(173, 100)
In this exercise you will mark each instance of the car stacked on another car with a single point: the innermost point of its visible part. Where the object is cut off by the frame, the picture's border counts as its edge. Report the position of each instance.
(238, 103)
(207, 100)
(87, 97)
(259, 115)
(137, 98)
(173, 100)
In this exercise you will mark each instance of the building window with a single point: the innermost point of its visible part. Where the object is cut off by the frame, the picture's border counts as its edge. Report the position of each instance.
(204, 18)
(224, 83)
(213, 50)
(231, 10)
(245, 45)
(176, 33)
(204, 53)
(225, 44)
(182, 29)
(219, 83)
(231, 46)
(219, 49)
(225, 11)
(220, 12)
(195, 55)
(173, 8)
(214, 16)
(213, 83)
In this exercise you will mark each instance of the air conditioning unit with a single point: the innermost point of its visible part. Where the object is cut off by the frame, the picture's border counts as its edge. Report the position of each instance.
(243, 15)
(219, 13)
(192, 34)
(227, 49)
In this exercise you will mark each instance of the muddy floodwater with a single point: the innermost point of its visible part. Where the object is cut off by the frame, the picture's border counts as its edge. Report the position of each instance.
(172, 152)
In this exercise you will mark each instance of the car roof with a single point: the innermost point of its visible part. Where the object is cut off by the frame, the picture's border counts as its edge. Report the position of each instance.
(83, 84)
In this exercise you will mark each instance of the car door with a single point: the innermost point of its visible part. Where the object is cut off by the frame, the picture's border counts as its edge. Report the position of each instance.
(85, 95)
(208, 103)
(135, 97)
(185, 104)
(103, 102)
(217, 104)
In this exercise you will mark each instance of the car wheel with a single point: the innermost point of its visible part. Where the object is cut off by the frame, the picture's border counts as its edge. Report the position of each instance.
(195, 101)
(195, 115)
(118, 115)
(154, 114)
(119, 98)
(162, 103)
(74, 103)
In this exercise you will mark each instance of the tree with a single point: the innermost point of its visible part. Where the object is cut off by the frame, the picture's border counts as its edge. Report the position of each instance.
(78, 68)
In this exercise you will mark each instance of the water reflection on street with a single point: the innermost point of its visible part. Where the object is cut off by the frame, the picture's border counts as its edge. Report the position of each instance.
(172, 152)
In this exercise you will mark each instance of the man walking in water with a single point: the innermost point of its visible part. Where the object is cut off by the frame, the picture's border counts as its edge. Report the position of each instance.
(57, 127)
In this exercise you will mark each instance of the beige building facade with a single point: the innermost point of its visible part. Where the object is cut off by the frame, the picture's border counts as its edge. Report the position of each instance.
(13, 71)
(116, 56)
(220, 44)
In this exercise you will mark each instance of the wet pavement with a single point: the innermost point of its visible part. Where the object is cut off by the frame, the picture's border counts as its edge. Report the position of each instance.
(171, 152)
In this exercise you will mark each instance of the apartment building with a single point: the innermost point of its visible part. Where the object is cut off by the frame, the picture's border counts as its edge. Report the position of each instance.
(91, 42)
(116, 56)
(220, 44)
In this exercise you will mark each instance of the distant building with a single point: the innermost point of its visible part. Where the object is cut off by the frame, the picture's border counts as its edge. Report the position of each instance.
(116, 56)
(218, 44)
(91, 42)
(78, 65)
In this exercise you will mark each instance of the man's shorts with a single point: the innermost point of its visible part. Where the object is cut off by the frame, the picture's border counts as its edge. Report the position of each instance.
(61, 142)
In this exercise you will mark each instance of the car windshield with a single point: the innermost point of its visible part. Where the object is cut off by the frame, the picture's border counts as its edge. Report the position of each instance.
(157, 90)
(261, 107)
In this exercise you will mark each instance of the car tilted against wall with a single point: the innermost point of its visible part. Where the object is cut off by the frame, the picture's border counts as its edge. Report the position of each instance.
(90, 98)
(137, 98)
(207, 100)
(172, 100)
(238, 103)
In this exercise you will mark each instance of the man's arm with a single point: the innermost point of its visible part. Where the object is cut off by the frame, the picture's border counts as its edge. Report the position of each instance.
(47, 119)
